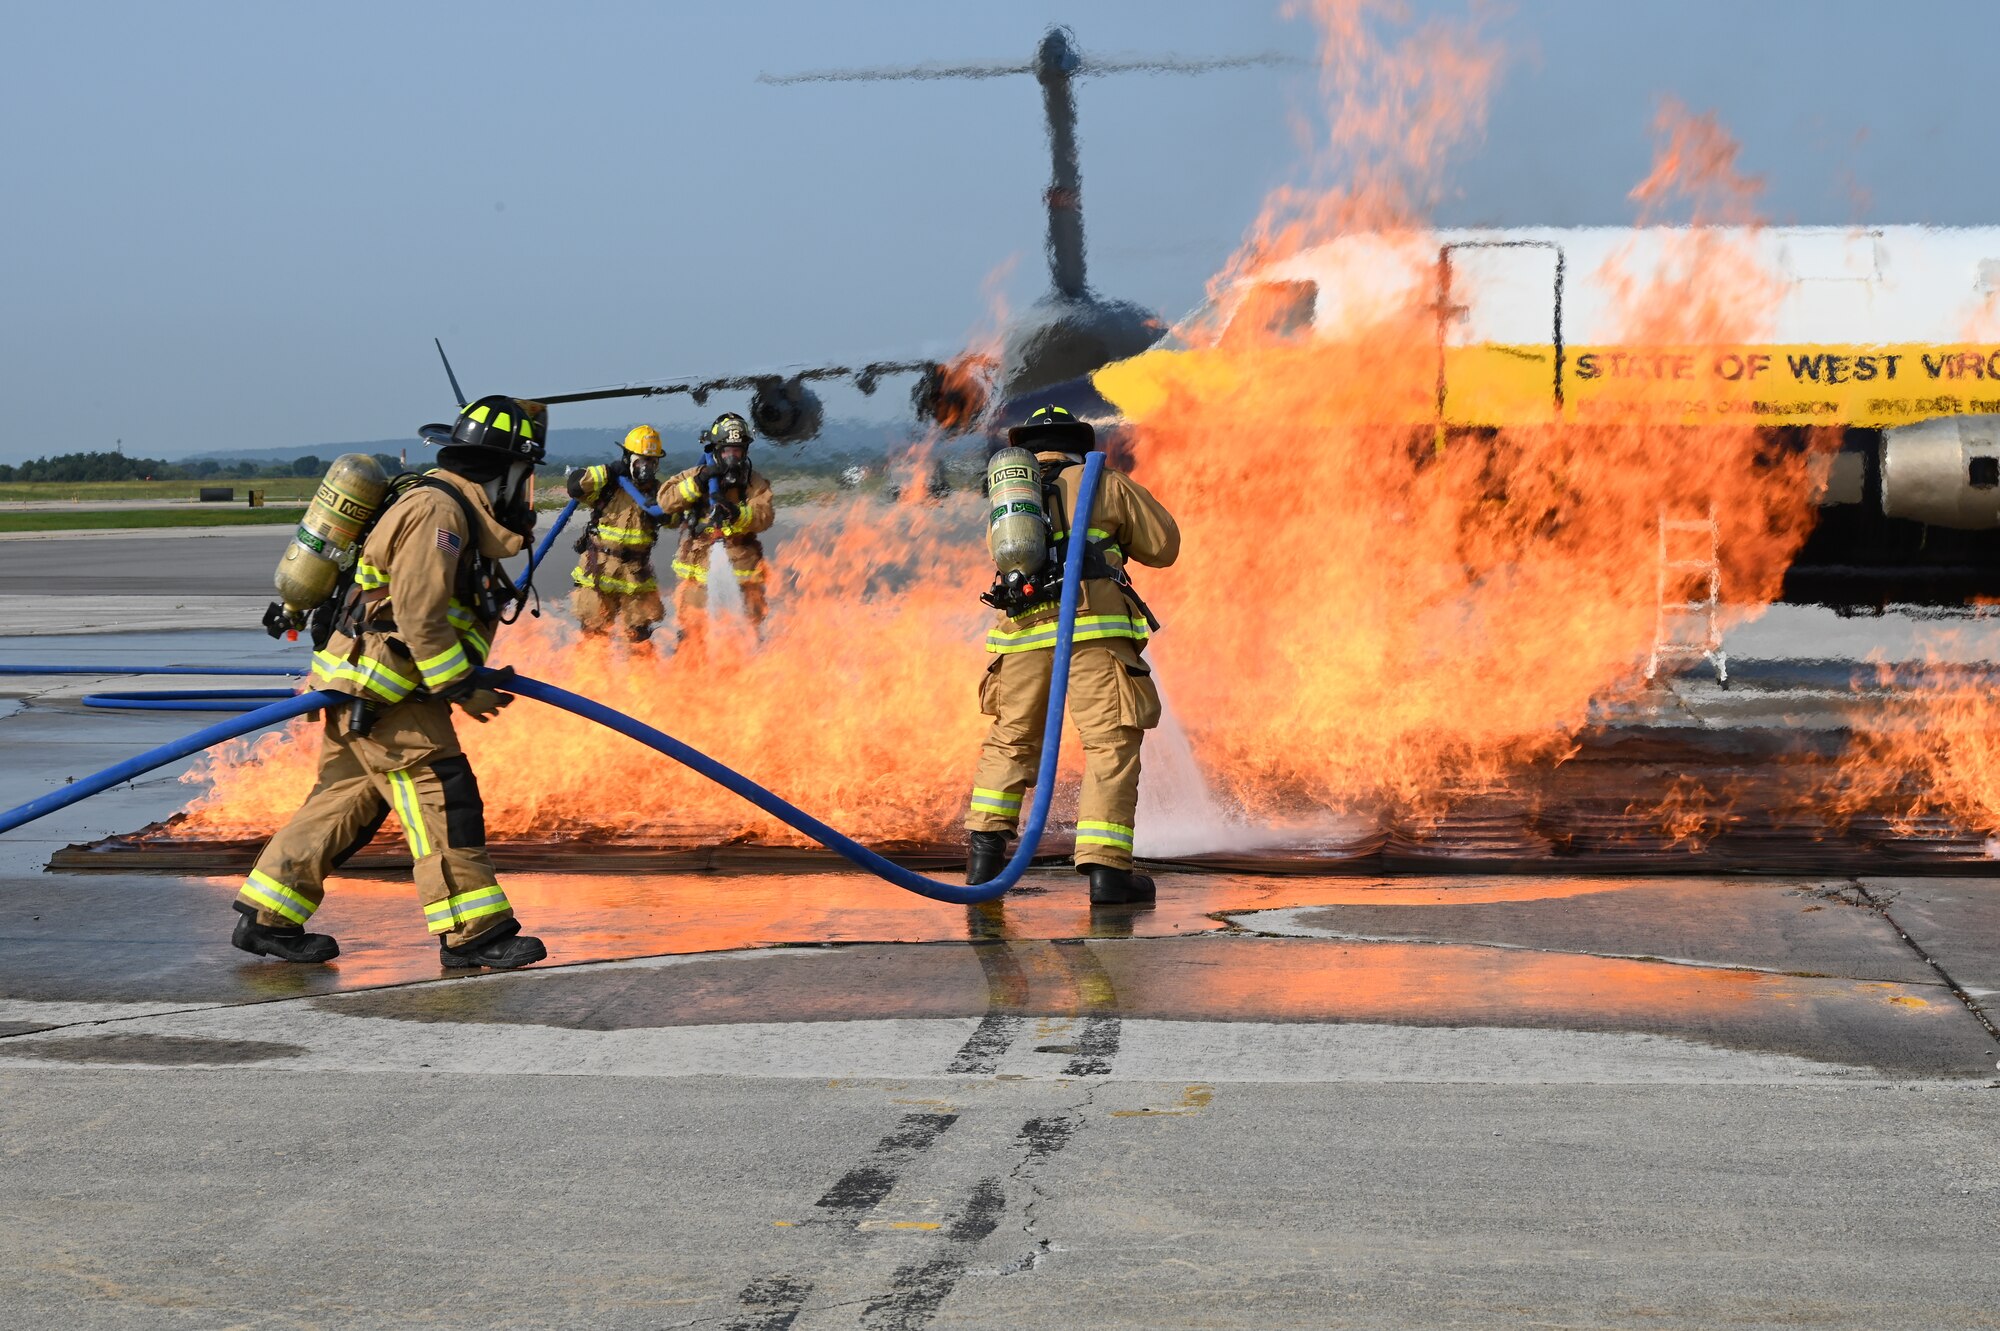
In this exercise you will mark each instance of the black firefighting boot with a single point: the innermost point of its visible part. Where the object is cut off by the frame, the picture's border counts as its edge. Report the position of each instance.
(286, 942)
(1117, 887)
(502, 948)
(986, 859)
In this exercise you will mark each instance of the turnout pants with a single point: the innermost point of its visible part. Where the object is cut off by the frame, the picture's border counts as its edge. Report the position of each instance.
(1113, 702)
(409, 763)
(600, 612)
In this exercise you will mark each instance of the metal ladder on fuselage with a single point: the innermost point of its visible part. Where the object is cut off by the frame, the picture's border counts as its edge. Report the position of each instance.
(1687, 630)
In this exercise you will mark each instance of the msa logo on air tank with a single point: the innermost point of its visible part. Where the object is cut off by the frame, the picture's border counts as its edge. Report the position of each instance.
(343, 504)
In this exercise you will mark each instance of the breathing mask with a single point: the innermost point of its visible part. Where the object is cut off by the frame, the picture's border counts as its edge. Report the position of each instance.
(732, 466)
(511, 491)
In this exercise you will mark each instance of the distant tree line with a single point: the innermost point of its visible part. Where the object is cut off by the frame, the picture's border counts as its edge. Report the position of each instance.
(73, 467)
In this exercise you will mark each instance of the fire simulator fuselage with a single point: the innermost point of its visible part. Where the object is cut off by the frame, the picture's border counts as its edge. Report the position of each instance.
(1886, 339)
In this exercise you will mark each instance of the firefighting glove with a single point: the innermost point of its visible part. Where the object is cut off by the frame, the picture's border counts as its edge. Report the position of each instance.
(707, 472)
(481, 701)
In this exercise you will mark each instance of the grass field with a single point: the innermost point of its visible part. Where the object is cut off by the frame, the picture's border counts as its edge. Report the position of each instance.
(100, 519)
(281, 487)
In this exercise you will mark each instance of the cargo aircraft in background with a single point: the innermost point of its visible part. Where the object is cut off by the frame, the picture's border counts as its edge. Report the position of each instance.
(1049, 354)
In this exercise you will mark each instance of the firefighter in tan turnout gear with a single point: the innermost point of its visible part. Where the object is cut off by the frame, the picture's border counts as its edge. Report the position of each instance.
(615, 582)
(417, 622)
(723, 501)
(1112, 698)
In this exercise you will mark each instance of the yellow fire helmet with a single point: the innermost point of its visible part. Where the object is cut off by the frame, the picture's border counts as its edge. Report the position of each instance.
(644, 441)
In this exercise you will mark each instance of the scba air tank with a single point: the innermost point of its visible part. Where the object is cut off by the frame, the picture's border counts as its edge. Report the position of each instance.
(1017, 529)
(325, 542)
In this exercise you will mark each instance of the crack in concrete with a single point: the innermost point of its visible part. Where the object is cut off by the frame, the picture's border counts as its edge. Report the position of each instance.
(1880, 905)
(1041, 1146)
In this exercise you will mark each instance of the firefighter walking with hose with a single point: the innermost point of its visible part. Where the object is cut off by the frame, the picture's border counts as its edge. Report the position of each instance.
(416, 623)
(1112, 698)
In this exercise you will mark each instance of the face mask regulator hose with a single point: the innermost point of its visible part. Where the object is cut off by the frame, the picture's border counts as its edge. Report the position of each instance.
(783, 810)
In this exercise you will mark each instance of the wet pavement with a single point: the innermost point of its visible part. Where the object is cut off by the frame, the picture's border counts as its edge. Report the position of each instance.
(770, 1100)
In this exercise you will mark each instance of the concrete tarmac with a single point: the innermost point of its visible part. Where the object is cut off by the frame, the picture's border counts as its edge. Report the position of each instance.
(817, 1102)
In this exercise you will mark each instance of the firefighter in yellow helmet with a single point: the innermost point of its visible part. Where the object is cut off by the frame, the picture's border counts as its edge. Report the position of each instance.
(615, 583)
(725, 502)
(1112, 698)
(427, 594)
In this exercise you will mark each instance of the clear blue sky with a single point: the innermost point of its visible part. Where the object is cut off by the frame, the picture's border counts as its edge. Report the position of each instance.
(238, 225)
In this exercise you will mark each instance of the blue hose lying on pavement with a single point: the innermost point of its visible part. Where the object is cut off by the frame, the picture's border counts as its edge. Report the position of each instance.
(147, 670)
(188, 700)
(172, 700)
(207, 737)
(783, 810)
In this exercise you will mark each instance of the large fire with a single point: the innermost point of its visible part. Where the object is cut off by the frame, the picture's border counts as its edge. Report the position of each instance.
(1371, 608)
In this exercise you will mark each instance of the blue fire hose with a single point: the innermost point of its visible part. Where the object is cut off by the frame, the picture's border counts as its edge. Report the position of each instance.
(535, 560)
(783, 810)
(145, 670)
(188, 700)
(646, 505)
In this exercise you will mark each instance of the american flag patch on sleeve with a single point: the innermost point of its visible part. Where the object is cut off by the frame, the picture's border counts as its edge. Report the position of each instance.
(449, 541)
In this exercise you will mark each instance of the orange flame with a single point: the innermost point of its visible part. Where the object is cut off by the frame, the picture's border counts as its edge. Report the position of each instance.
(1365, 609)
(1368, 609)
(1925, 759)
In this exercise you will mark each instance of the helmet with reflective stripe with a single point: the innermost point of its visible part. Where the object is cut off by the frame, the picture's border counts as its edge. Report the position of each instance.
(644, 441)
(1055, 429)
(729, 430)
(506, 425)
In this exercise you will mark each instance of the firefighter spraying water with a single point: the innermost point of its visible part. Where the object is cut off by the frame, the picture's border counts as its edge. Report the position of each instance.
(615, 583)
(723, 503)
(1112, 700)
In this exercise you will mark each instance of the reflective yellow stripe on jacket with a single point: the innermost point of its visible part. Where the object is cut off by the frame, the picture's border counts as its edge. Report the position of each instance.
(739, 524)
(445, 667)
(366, 671)
(1042, 637)
(369, 578)
(624, 535)
(1092, 534)
(461, 618)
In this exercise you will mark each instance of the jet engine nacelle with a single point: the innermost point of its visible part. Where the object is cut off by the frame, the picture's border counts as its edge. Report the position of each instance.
(1944, 472)
(785, 411)
(954, 396)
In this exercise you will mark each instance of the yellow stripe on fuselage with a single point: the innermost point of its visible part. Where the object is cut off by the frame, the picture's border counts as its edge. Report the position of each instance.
(1501, 385)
